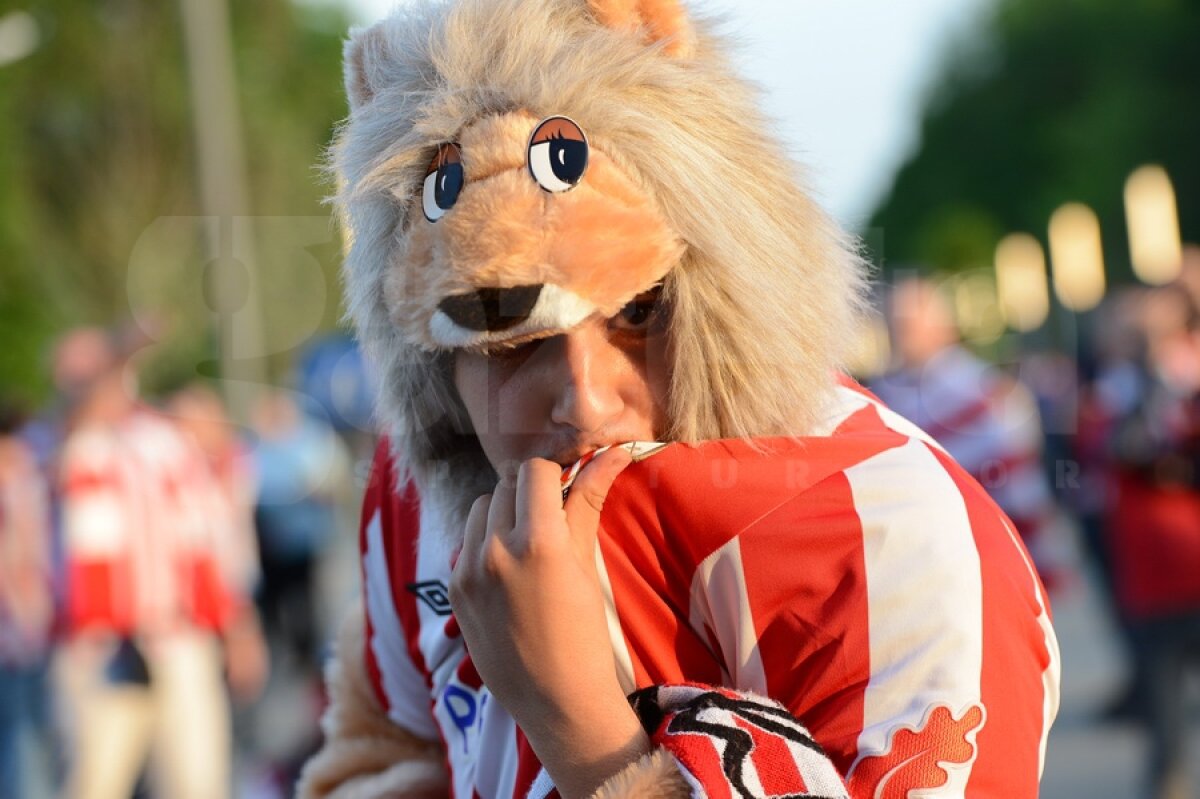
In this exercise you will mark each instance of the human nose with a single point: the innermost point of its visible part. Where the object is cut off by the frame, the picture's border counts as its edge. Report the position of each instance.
(588, 386)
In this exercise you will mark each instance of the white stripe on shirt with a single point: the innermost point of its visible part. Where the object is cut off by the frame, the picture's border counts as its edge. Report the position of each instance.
(922, 653)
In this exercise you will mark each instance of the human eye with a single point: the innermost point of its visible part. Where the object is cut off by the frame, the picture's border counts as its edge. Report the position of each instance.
(643, 314)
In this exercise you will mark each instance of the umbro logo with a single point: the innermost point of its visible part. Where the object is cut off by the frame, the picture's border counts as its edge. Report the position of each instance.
(434, 594)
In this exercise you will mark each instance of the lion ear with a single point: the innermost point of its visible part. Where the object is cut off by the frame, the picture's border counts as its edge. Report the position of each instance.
(654, 20)
(362, 50)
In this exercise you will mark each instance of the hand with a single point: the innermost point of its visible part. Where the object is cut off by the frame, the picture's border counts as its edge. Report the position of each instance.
(527, 598)
(247, 664)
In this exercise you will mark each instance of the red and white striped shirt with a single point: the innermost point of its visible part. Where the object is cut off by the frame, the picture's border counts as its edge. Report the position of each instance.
(859, 577)
(151, 539)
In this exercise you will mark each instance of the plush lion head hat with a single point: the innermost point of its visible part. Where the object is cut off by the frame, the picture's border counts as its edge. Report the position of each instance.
(511, 167)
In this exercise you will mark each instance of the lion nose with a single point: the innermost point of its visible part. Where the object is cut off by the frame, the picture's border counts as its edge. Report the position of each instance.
(492, 310)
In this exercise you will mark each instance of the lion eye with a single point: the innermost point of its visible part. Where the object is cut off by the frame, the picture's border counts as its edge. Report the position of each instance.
(558, 155)
(443, 182)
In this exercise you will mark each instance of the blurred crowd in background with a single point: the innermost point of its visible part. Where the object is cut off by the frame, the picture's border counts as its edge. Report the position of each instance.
(184, 427)
(164, 573)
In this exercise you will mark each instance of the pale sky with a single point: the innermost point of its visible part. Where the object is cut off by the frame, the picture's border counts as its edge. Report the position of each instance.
(845, 79)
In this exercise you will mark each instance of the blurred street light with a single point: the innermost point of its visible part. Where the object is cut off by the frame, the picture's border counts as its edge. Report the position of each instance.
(1077, 257)
(1153, 220)
(871, 350)
(1021, 281)
(976, 309)
(18, 36)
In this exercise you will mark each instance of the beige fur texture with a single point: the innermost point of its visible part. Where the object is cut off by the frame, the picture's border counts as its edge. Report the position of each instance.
(654, 776)
(764, 289)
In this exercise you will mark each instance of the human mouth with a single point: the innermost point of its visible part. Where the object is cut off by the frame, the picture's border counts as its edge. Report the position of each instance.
(576, 451)
(638, 450)
(580, 456)
(569, 458)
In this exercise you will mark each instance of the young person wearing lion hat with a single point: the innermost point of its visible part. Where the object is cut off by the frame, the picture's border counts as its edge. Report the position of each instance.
(572, 232)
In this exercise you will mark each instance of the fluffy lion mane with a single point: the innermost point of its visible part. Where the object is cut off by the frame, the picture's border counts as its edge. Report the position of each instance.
(766, 296)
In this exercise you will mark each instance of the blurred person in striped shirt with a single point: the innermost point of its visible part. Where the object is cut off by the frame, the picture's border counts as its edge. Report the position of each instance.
(27, 611)
(572, 235)
(158, 612)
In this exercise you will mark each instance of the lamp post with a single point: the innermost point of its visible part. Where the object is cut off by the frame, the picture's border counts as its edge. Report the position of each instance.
(221, 171)
(871, 349)
(976, 310)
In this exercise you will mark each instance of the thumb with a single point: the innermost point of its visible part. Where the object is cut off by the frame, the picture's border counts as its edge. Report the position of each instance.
(587, 496)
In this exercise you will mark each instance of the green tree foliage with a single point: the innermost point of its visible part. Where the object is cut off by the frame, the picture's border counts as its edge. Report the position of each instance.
(98, 143)
(1060, 100)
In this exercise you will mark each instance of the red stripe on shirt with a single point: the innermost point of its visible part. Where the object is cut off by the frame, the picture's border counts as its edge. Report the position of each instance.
(528, 769)
(78, 481)
(813, 633)
(401, 519)
(650, 561)
(372, 499)
(213, 606)
(93, 599)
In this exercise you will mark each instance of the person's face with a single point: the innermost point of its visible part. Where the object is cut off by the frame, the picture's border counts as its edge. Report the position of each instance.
(603, 382)
(923, 322)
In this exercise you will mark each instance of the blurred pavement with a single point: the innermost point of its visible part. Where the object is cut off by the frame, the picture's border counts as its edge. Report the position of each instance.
(1088, 758)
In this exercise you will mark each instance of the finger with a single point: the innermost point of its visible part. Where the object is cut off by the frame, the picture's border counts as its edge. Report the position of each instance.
(539, 493)
(502, 514)
(587, 496)
(475, 534)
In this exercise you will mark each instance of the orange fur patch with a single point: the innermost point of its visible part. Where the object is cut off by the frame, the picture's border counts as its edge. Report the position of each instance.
(615, 243)
(659, 20)
(666, 19)
(496, 236)
(603, 241)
